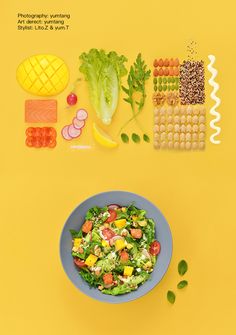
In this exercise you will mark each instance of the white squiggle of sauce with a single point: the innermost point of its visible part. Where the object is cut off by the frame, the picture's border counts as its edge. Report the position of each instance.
(217, 100)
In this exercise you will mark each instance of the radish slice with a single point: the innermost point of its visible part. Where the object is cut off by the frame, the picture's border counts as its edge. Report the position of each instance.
(81, 114)
(78, 124)
(113, 206)
(65, 134)
(73, 132)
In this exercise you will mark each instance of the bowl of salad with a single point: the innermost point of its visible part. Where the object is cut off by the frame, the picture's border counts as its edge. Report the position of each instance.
(116, 246)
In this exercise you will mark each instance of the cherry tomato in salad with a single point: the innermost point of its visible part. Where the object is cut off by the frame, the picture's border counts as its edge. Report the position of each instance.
(112, 216)
(108, 233)
(87, 226)
(108, 278)
(124, 256)
(136, 233)
(79, 262)
(155, 248)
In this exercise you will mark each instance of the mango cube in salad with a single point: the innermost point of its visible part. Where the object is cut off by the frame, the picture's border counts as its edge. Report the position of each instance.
(120, 223)
(128, 270)
(105, 244)
(77, 242)
(119, 244)
(91, 260)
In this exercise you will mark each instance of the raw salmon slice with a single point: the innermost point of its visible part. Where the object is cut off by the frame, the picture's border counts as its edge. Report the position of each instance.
(41, 111)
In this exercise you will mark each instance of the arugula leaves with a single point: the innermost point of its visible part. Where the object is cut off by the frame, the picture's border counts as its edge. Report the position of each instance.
(137, 77)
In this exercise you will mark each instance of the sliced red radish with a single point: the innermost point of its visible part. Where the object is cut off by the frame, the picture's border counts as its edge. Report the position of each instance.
(65, 133)
(78, 124)
(81, 114)
(113, 206)
(73, 132)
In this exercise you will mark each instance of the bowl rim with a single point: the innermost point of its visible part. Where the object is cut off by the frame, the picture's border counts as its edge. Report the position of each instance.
(132, 298)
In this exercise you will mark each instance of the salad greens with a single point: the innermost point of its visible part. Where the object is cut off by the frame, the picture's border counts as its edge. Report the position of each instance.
(138, 75)
(103, 71)
(115, 250)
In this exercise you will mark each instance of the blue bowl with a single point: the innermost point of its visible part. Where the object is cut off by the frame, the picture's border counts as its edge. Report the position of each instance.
(122, 198)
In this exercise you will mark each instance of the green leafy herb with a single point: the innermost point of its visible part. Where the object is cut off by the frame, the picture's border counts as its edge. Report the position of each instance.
(171, 297)
(75, 234)
(137, 77)
(182, 267)
(146, 138)
(182, 284)
(135, 138)
(125, 138)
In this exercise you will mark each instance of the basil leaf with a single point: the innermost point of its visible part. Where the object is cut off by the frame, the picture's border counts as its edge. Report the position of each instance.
(182, 267)
(135, 138)
(125, 138)
(75, 234)
(146, 138)
(182, 284)
(171, 297)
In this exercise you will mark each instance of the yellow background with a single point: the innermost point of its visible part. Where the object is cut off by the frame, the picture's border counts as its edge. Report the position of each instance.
(194, 190)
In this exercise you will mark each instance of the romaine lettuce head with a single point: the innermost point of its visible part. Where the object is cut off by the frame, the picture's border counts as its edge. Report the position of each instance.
(103, 73)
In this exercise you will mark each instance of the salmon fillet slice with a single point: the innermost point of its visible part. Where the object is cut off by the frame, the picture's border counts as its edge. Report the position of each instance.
(41, 111)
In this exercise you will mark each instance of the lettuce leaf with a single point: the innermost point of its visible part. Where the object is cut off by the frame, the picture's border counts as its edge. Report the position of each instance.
(103, 72)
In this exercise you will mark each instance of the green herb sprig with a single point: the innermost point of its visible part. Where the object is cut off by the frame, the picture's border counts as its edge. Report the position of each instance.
(137, 77)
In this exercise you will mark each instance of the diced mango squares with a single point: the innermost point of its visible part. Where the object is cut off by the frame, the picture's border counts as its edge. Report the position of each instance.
(105, 244)
(91, 260)
(120, 223)
(129, 246)
(119, 244)
(77, 242)
(128, 270)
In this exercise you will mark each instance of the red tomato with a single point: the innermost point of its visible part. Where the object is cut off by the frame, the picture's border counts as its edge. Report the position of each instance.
(108, 233)
(38, 132)
(30, 131)
(87, 226)
(52, 143)
(79, 262)
(155, 248)
(52, 132)
(112, 216)
(30, 141)
(108, 278)
(136, 233)
(124, 256)
(38, 142)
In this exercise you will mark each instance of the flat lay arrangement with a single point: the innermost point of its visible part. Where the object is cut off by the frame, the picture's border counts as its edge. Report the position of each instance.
(180, 115)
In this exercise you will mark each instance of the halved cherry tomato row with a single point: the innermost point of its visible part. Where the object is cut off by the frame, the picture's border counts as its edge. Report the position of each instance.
(37, 137)
(41, 131)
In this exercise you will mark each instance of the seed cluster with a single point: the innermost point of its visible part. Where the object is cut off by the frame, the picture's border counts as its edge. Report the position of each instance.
(179, 127)
(192, 83)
